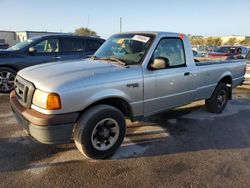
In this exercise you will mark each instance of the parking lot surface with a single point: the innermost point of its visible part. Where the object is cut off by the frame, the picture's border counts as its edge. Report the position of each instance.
(185, 147)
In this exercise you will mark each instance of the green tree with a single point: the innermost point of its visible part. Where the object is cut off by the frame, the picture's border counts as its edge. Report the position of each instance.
(209, 41)
(217, 41)
(85, 31)
(213, 41)
(232, 41)
(245, 42)
(197, 40)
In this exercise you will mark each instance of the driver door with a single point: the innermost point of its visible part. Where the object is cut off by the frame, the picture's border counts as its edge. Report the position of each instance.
(172, 85)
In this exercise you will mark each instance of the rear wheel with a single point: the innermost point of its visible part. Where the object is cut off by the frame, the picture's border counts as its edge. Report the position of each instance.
(218, 100)
(100, 131)
(7, 77)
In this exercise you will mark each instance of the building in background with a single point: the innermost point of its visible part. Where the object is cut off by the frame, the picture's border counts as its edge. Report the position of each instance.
(24, 35)
(237, 37)
(3, 45)
(10, 38)
(7, 38)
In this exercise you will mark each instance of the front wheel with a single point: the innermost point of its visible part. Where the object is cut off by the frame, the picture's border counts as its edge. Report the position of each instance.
(219, 98)
(7, 77)
(100, 131)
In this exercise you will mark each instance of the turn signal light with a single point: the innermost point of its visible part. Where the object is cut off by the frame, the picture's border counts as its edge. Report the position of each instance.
(53, 102)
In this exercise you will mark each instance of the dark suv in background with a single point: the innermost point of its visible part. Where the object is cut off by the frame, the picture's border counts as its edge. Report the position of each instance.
(43, 49)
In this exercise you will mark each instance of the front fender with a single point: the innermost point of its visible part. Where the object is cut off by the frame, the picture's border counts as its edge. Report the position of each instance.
(106, 94)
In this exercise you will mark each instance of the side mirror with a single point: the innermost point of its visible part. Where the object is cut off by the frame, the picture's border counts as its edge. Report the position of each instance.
(32, 50)
(159, 63)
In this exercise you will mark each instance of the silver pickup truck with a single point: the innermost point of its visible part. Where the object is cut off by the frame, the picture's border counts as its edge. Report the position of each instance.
(132, 75)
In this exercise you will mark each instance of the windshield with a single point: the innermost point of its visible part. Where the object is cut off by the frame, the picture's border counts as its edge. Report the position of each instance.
(127, 48)
(21, 45)
(225, 50)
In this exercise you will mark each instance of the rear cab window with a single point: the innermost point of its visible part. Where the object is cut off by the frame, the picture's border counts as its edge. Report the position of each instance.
(244, 51)
(248, 56)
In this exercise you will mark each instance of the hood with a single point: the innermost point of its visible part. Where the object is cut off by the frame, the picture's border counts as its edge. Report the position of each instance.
(53, 75)
(5, 52)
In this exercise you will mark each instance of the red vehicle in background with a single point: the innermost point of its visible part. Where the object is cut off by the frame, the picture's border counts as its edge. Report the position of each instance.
(229, 52)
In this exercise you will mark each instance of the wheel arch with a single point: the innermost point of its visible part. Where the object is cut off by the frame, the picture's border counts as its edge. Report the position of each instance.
(10, 67)
(227, 79)
(117, 102)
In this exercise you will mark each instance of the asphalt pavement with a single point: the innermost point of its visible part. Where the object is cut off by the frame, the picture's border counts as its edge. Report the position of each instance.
(185, 147)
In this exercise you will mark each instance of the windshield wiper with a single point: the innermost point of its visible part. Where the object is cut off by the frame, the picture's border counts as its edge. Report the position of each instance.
(114, 59)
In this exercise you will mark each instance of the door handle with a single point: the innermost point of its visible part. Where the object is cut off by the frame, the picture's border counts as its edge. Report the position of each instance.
(186, 73)
(57, 57)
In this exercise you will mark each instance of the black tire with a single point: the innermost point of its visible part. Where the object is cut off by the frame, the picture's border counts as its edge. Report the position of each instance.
(7, 77)
(219, 98)
(94, 133)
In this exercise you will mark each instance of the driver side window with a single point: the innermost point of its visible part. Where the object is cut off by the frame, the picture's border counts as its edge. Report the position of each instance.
(171, 49)
(47, 46)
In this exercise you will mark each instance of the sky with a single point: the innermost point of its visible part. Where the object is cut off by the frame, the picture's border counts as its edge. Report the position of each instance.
(195, 17)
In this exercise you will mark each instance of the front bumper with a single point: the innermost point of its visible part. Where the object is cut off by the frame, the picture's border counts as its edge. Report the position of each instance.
(47, 129)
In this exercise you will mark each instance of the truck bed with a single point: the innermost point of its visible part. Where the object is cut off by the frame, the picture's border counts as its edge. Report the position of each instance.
(203, 63)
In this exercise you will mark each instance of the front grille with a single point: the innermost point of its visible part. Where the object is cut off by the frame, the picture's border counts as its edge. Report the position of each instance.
(24, 91)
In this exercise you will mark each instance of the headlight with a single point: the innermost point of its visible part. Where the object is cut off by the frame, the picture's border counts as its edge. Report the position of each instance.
(48, 101)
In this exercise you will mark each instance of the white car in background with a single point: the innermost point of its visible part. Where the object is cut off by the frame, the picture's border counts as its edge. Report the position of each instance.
(247, 75)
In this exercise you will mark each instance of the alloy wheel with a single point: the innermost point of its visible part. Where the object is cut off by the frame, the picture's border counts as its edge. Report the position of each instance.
(105, 134)
(6, 81)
